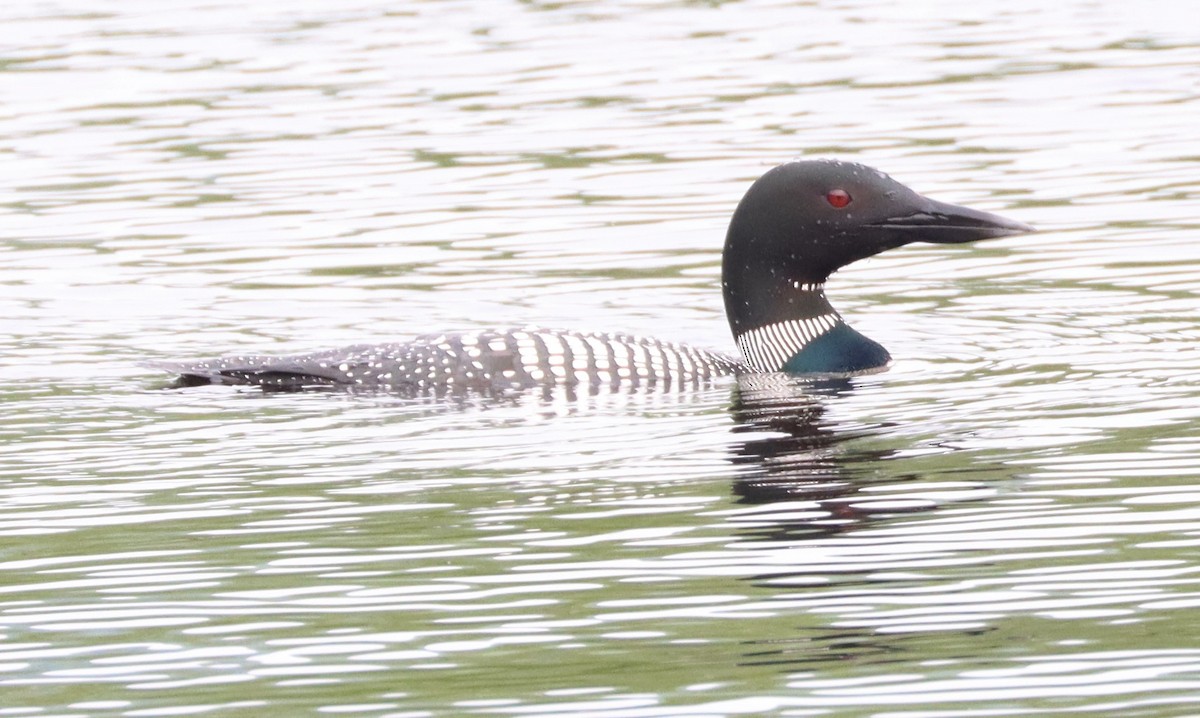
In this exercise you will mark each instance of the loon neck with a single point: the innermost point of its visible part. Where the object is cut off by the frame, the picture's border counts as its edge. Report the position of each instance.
(800, 332)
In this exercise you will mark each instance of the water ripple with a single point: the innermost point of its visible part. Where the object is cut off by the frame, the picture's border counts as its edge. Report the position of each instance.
(1003, 522)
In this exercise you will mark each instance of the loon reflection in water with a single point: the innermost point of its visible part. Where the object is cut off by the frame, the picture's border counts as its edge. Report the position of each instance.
(796, 225)
(807, 472)
(802, 473)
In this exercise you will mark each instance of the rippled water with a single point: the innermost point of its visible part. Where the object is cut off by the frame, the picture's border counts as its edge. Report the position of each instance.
(1005, 523)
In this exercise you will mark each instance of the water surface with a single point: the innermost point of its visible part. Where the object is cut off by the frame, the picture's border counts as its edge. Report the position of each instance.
(1004, 523)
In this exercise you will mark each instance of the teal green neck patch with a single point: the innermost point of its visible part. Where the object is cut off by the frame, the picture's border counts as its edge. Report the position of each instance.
(841, 350)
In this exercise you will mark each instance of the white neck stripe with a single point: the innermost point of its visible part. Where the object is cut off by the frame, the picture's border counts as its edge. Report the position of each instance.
(809, 286)
(768, 348)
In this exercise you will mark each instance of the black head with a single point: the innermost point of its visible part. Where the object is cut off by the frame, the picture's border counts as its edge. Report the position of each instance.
(802, 221)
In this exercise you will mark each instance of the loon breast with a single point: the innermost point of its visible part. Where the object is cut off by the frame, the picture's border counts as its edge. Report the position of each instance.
(489, 362)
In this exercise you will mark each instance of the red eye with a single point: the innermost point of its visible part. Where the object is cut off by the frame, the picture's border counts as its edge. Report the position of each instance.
(838, 198)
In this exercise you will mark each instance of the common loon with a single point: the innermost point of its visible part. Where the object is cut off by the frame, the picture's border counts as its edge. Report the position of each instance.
(797, 224)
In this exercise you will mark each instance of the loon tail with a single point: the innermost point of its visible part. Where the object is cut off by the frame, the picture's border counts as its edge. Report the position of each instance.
(270, 373)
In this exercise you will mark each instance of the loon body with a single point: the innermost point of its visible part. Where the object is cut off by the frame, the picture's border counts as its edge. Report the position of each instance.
(489, 362)
(796, 225)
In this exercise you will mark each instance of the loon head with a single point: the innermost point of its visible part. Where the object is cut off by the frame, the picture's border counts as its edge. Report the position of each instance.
(799, 223)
